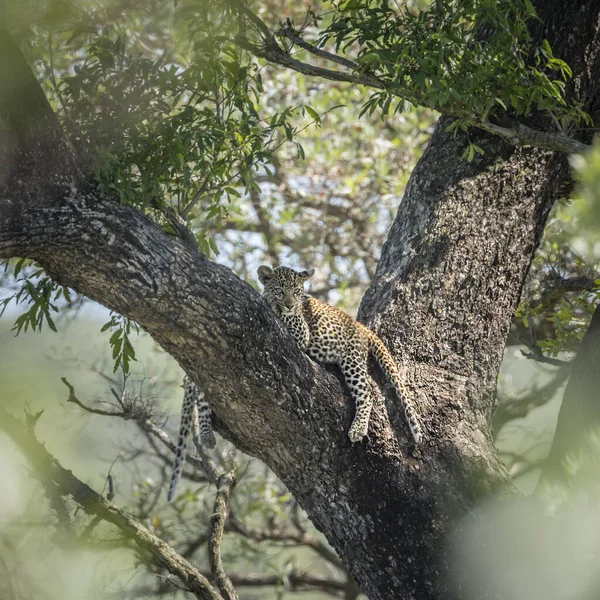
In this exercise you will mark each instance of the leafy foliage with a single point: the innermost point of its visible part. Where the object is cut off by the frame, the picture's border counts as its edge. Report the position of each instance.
(160, 133)
(467, 58)
(190, 121)
(38, 291)
(122, 350)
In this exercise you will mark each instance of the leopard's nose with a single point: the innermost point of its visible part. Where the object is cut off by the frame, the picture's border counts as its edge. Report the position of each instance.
(289, 302)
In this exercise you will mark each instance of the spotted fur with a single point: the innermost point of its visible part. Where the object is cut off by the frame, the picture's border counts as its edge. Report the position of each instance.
(196, 417)
(328, 335)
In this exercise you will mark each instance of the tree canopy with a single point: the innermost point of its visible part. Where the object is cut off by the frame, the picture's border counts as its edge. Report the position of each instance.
(175, 135)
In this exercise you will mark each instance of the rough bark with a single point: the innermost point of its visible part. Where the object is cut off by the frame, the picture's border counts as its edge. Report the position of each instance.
(443, 297)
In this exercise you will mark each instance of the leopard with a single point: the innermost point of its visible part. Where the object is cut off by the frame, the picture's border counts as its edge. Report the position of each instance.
(329, 335)
(195, 417)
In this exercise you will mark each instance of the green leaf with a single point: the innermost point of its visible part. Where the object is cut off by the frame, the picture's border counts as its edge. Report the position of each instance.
(530, 8)
(313, 113)
(18, 267)
(50, 322)
(114, 338)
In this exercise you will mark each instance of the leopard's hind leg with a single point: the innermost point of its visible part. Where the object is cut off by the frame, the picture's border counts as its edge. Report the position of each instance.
(357, 378)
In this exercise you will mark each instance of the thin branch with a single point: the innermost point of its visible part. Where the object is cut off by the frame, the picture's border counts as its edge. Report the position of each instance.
(293, 581)
(97, 411)
(144, 421)
(154, 549)
(560, 286)
(287, 535)
(249, 227)
(293, 36)
(193, 473)
(264, 225)
(177, 221)
(519, 407)
(537, 355)
(185, 211)
(277, 55)
(217, 526)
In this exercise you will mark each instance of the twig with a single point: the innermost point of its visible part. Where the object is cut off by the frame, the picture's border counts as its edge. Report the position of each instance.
(265, 225)
(539, 357)
(97, 411)
(286, 535)
(144, 421)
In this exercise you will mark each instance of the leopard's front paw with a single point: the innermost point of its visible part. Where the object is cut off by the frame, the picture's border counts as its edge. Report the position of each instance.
(358, 431)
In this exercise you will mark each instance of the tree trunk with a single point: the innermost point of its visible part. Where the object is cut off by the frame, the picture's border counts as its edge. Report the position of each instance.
(443, 298)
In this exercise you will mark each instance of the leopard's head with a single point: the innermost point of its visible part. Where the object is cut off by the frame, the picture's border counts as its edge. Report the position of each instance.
(283, 288)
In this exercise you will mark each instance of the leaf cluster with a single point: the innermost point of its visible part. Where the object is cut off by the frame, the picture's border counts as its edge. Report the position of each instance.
(37, 291)
(468, 58)
(122, 349)
(173, 131)
(158, 131)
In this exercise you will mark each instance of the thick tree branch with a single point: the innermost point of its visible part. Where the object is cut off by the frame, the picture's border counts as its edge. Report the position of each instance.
(45, 466)
(521, 135)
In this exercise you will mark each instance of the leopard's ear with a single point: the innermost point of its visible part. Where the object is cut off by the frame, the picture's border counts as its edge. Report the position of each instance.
(306, 274)
(264, 273)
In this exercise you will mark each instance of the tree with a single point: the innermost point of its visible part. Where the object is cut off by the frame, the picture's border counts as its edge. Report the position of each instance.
(443, 296)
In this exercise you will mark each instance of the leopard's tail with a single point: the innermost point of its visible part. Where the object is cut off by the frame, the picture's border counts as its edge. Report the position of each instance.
(185, 428)
(195, 416)
(386, 362)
